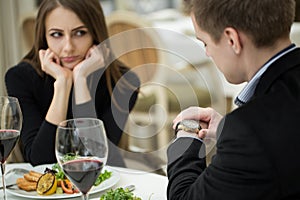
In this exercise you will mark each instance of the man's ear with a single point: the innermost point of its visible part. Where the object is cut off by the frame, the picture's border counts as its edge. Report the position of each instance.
(233, 39)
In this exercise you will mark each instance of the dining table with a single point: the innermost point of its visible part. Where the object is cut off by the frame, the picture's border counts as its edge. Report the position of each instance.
(148, 185)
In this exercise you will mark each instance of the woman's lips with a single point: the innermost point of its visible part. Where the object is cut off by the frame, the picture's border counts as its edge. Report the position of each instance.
(69, 59)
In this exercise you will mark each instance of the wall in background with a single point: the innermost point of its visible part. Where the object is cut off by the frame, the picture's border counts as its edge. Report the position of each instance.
(9, 38)
(146, 6)
(10, 41)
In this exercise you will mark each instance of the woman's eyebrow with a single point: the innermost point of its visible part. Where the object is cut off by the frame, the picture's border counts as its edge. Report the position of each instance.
(55, 29)
(79, 27)
(74, 29)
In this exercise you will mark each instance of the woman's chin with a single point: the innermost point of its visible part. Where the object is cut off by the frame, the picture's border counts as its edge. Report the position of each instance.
(69, 66)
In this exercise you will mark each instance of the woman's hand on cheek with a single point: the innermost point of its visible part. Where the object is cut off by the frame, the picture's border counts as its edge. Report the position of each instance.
(50, 64)
(93, 61)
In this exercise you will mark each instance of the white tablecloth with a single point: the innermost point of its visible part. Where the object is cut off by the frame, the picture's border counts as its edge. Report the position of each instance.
(146, 184)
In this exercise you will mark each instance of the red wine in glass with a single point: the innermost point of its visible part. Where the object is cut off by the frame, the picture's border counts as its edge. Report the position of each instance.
(83, 173)
(8, 140)
(11, 123)
(81, 150)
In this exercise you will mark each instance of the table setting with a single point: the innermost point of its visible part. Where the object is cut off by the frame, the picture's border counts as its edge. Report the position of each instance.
(81, 171)
(147, 185)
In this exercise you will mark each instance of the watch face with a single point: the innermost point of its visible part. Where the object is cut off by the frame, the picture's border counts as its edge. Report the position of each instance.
(192, 124)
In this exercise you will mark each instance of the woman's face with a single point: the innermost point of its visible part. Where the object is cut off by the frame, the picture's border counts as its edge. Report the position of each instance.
(67, 36)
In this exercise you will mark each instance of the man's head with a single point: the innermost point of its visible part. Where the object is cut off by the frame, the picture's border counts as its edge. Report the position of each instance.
(264, 21)
(241, 35)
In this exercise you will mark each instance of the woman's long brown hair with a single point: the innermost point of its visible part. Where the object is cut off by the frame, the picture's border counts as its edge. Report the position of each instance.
(91, 14)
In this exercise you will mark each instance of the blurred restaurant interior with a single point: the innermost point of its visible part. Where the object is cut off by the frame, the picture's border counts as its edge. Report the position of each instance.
(175, 72)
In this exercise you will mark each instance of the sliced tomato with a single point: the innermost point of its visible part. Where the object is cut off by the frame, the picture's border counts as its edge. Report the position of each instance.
(67, 186)
(75, 190)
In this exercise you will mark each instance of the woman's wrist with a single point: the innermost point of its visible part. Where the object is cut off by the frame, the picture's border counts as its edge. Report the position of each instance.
(63, 83)
(82, 92)
(79, 80)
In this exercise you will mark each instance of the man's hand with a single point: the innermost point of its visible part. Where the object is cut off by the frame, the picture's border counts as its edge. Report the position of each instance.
(208, 117)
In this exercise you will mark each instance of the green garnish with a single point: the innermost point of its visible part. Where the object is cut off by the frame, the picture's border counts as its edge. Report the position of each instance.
(119, 194)
(60, 175)
(102, 177)
(69, 156)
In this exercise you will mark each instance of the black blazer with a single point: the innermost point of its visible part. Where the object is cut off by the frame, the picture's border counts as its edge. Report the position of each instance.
(258, 151)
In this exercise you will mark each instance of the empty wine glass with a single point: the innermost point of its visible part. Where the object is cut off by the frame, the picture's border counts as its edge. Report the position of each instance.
(81, 151)
(10, 126)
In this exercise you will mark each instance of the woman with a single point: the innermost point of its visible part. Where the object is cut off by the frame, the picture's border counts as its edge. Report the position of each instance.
(67, 74)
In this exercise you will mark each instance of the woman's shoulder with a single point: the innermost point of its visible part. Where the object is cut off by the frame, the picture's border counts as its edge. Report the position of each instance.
(22, 71)
(22, 67)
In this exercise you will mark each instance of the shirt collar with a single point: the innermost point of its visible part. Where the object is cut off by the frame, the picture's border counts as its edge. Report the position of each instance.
(248, 91)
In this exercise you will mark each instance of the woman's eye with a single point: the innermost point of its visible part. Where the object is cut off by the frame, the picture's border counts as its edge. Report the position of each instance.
(56, 34)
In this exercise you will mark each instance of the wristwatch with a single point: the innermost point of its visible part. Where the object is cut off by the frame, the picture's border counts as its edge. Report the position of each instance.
(188, 125)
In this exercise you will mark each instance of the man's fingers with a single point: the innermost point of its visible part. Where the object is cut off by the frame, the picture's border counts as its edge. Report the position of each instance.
(204, 125)
(206, 134)
(202, 133)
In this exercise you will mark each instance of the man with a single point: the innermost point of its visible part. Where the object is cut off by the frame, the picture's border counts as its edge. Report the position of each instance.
(258, 143)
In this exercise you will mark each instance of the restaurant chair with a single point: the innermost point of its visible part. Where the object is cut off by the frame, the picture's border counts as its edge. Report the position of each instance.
(164, 92)
(27, 27)
(16, 155)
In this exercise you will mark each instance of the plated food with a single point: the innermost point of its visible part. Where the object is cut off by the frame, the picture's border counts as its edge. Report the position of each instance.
(119, 194)
(29, 181)
(52, 181)
(33, 194)
(47, 184)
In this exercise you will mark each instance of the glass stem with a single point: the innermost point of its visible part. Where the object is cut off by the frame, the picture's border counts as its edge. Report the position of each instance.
(3, 180)
(85, 196)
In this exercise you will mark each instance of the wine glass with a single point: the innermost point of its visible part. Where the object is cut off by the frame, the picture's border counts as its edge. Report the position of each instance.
(10, 126)
(81, 151)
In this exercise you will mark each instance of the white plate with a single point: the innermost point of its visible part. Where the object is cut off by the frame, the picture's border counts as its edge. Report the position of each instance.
(114, 179)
